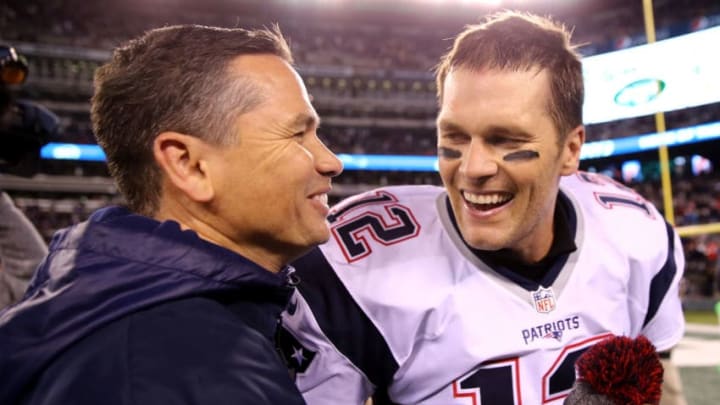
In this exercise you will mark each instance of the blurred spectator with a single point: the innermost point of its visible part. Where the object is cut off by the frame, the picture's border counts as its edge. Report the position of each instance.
(22, 248)
(699, 269)
(370, 74)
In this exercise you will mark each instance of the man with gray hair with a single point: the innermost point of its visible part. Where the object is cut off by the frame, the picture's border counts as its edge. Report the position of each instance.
(176, 298)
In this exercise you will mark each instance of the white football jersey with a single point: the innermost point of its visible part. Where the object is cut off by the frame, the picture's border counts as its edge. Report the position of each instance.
(396, 302)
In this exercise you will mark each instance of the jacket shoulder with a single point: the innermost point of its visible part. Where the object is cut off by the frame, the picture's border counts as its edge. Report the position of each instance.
(189, 351)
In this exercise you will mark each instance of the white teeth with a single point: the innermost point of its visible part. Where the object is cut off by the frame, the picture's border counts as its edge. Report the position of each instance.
(323, 198)
(485, 198)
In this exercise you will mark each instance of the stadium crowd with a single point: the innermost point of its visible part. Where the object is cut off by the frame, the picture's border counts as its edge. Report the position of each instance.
(371, 77)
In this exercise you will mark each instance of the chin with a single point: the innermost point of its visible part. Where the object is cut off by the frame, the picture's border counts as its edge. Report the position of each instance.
(483, 242)
(488, 247)
(319, 236)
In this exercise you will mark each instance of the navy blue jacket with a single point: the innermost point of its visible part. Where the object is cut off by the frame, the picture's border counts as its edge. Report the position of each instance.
(127, 310)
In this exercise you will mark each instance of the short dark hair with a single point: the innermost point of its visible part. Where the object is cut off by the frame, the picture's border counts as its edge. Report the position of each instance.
(511, 40)
(172, 79)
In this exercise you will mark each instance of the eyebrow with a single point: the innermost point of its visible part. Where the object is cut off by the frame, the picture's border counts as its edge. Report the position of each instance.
(505, 131)
(305, 120)
(449, 126)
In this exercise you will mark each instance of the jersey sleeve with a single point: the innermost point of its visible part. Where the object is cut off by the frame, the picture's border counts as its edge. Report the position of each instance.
(322, 373)
(630, 229)
(348, 358)
(664, 323)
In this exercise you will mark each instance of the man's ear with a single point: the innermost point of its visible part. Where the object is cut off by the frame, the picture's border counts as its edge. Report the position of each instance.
(181, 158)
(571, 150)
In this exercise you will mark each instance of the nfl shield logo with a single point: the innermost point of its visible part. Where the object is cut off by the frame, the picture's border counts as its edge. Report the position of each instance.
(544, 300)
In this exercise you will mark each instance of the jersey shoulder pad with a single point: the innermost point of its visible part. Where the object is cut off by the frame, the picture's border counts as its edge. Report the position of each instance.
(608, 200)
(417, 198)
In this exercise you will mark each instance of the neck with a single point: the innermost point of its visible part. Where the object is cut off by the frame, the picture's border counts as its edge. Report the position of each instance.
(194, 218)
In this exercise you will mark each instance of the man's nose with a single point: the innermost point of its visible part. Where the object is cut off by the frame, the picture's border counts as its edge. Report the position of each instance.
(478, 161)
(326, 161)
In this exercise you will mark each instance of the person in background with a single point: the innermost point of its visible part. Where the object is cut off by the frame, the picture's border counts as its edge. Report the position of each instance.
(212, 140)
(486, 291)
(22, 248)
(24, 128)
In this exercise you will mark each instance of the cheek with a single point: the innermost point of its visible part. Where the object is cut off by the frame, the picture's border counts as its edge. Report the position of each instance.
(275, 208)
(297, 163)
(541, 184)
(447, 167)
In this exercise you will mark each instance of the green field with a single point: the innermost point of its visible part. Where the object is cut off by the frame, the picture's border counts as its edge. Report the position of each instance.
(701, 382)
(702, 317)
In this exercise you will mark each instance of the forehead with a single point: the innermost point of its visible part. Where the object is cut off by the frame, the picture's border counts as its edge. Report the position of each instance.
(269, 72)
(495, 97)
(281, 90)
